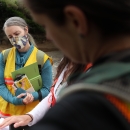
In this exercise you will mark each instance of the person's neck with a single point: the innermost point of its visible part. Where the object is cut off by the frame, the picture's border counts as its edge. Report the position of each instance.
(113, 45)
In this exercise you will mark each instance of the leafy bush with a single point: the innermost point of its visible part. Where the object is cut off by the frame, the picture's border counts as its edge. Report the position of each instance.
(10, 8)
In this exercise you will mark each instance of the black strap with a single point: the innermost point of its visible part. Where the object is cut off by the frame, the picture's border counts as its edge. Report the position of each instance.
(40, 95)
(11, 127)
(40, 69)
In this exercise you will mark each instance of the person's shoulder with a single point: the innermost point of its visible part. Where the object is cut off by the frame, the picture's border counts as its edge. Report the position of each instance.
(87, 109)
(86, 96)
(93, 107)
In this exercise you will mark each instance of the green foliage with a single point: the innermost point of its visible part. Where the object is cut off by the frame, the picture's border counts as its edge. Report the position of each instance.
(10, 8)
(11, 3)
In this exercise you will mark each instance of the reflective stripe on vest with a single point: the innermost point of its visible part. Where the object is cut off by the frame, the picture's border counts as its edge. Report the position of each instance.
(9, 81)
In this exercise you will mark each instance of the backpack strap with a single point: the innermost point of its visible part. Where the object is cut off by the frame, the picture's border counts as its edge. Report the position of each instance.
(105, 73)
(95, 80)
(94, 87)
(5, 54)
(40, 62)
(40, 58)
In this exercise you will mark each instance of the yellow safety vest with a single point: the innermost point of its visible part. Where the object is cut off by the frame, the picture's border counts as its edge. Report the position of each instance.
(6, 108)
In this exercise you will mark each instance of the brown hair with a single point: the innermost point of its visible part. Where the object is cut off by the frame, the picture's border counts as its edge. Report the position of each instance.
(110, 16)
(76, 68)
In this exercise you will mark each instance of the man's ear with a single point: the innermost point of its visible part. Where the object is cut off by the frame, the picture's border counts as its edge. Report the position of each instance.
(26, 29)
(78, 18)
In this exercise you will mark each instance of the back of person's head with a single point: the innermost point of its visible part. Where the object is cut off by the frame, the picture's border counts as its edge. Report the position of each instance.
(110, 16)
(17, 21)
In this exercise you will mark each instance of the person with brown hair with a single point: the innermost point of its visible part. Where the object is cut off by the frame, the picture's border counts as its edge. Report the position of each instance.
(97, 32)
(65, 69)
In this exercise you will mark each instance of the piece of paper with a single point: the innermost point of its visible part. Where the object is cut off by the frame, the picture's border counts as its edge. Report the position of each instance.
(25, 84)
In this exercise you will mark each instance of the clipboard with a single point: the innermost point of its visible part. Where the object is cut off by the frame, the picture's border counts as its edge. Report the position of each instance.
(32, 72)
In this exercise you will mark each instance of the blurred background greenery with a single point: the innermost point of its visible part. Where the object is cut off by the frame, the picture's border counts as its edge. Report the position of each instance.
(9, 8)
